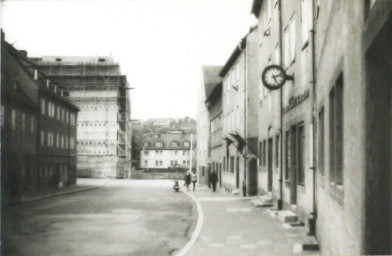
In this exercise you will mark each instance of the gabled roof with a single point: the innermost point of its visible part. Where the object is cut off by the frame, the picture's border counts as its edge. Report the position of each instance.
(211, 78)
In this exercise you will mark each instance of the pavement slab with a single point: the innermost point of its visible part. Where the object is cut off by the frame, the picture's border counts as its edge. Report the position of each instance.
(232, 226)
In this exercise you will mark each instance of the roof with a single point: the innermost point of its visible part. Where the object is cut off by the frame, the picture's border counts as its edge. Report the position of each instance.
(166, 139)
(236, 53)
(216, 92)
(256, 6)
(25, 63)
(211, 78)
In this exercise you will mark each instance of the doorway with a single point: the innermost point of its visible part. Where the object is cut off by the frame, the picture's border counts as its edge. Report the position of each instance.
(252, 177)
(269, 165)
(237, 173)
(293, 171)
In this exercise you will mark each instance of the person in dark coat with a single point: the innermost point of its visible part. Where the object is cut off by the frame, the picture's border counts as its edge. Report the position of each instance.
(187, 179)
(213, 180)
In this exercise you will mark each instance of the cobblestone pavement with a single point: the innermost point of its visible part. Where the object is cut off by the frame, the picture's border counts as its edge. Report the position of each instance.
(232, 226)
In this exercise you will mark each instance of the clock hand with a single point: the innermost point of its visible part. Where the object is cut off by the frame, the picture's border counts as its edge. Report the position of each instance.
(274, 77)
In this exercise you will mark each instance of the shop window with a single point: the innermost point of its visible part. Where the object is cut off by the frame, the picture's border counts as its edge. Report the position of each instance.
(301, 155)
(232, 164)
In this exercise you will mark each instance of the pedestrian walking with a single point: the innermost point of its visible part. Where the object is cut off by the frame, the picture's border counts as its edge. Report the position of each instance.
(187, 179)
(194, 179)
(213, 180)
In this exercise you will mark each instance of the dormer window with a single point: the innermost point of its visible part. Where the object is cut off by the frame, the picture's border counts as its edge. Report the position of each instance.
(187, 144)
(174, 144)
(146, 144)
(158, 144)
(155, 136)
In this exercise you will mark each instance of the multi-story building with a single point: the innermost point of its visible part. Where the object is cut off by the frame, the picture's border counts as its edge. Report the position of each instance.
(214, 105)
(166, 151)
(38, 129)
(97, 87)
(325, 137)
(210, 78)
(239, 116)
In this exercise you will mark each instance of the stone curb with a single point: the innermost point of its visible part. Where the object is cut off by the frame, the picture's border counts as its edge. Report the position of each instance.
(199, 224)
(55, 194)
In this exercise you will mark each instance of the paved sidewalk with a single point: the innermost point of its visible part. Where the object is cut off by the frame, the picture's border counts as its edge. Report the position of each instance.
(232, 226)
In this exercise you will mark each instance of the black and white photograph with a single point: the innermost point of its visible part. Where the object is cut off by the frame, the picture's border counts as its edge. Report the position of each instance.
(196, 127)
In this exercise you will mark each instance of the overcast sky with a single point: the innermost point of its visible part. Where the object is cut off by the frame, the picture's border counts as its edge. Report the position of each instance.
(160, 44)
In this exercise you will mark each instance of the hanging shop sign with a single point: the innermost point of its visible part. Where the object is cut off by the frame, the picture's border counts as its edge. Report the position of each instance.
(274, 77)
(295, 101)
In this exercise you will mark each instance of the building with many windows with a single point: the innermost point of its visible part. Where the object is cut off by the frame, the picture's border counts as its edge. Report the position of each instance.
(97, 87)
(38, 129)
(209, 79)
(324, 144)
(239, 116)
(166, 151)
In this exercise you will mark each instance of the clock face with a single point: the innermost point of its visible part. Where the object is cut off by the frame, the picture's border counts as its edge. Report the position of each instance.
(273, 77)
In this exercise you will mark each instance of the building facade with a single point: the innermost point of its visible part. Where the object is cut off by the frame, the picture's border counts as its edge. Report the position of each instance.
(324, 144)
(166, 151)
(97, 87)
(38, 129)
(214, 105)
(239, 117)
(210, 78)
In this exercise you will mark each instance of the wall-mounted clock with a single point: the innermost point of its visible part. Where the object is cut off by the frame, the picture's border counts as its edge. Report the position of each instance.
(274, 77)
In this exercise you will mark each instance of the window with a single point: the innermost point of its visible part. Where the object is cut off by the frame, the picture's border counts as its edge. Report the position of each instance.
(146, 144)
(277, 151)
(224, 164)
(336, 132)
(289, 43)
(145, 163)
(32, 124)
(146, 152)
(175, 152)
(154, 136)
(160, 162)
(2, 115)
(321, 142)
(186, 144)
(288, 155)
(174, 144)
(264, 152)
(23, 121)
(232, 164)
(13, 119)
(156, 162)
(301, 155)
(42, 137)
(158, 144)
(306, 20)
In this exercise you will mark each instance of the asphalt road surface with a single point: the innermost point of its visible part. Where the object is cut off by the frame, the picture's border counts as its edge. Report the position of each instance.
(125, 217)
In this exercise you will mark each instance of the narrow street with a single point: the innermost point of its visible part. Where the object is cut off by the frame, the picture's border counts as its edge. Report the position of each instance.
(124, 217)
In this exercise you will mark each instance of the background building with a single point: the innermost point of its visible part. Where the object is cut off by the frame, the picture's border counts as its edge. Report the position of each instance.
(239, 116)
(38, 129)
(97, 87)
(166, 144)
(210, 78)
(214, 105)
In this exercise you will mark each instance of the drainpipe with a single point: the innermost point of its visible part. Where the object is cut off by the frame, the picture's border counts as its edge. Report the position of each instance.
(314, 111)
(280, 201)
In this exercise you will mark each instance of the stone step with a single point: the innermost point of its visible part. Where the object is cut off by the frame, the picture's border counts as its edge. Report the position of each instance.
(262, 201)
(287, 216)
